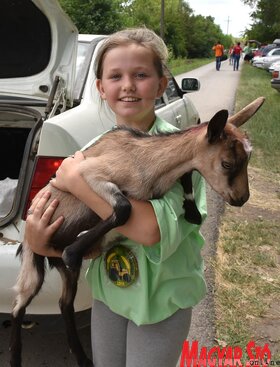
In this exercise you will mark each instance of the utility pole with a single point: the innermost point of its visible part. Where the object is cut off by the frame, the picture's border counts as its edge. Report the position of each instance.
(228, 20)
(162, 20)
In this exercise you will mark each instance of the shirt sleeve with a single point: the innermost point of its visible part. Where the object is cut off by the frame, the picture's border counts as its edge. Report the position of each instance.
(174, 229)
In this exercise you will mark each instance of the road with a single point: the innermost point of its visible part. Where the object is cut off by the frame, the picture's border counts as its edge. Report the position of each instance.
(49, 348)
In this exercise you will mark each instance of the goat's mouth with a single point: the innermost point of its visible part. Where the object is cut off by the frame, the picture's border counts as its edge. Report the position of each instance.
(240, 201)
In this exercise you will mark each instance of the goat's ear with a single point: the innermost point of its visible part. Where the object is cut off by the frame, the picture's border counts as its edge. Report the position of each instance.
(216, 126)
(246, 113)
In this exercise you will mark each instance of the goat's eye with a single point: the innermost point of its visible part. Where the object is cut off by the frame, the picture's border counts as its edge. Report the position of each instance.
(226, 165)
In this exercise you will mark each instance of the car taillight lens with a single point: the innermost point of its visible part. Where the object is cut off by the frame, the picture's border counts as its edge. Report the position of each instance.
(275, 74)
(44, 169)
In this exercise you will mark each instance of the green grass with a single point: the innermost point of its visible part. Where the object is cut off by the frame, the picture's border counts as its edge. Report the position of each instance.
(264, 127)
(179, 66)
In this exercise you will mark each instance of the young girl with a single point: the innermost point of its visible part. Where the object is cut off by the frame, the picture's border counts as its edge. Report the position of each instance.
(142, 304)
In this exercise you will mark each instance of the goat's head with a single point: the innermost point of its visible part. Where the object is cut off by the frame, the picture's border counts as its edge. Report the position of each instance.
(228, 152)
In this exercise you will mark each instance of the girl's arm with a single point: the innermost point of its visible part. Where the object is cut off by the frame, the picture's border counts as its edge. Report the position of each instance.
(142, 226)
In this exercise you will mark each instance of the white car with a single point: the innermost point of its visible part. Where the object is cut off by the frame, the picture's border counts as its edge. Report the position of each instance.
(273, 66)
(271, 57)
(275, 81)
(49, 108)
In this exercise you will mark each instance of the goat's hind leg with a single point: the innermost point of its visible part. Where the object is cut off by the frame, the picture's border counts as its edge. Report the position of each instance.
(28, 285)
(66, 304)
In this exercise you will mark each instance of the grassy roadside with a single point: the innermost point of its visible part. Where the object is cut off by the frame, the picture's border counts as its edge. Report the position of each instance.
(248, 251)
(179, 66)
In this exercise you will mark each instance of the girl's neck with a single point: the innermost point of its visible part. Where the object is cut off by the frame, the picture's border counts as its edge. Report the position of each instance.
(139, 125)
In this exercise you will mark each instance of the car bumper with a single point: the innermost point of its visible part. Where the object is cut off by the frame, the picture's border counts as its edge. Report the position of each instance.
(275, 84)
(46, 302)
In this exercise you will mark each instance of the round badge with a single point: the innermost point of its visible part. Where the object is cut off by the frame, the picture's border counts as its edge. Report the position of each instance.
(121, 266)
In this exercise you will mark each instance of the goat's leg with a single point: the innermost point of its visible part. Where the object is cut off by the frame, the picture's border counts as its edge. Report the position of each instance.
(66, 304)
(192, 214)
(73, 254)
(28, 285)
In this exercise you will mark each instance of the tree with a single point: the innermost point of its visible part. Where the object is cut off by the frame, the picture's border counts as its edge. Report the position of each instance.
(266, 20)
(94, 16)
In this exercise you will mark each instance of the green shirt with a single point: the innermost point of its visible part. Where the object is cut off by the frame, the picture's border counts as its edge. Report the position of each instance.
(170, 272)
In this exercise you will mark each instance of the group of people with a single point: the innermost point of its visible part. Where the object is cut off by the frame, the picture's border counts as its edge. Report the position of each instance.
(234, 54)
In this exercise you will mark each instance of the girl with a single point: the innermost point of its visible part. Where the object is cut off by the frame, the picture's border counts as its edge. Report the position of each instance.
(142, 303)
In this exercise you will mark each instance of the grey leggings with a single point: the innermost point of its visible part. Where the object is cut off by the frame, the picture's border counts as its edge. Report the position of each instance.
(118, 342)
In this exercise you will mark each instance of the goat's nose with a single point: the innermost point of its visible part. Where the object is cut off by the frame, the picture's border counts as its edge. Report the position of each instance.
(240, 201)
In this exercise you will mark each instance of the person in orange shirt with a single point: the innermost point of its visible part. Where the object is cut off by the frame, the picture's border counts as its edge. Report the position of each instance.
(219, 51)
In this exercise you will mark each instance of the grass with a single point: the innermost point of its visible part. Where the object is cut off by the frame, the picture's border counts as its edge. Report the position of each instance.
(180, 65)
(264, 128)
(248, 251)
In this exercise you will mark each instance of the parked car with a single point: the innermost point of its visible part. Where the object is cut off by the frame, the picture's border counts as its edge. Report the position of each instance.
(275, 81)
(261, 53)
(265, 61)
(273, 66)
(272, 56)
(49, 108)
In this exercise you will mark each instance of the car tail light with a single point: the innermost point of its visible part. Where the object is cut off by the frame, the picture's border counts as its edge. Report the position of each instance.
(44, 169)
(275, 74)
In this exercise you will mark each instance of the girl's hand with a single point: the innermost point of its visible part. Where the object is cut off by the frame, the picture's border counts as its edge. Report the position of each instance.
(38, 230)
(68, 172)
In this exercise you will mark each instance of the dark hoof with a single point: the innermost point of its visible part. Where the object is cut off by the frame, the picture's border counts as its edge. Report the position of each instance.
(71, 260)
(192, 214)
(87, 363)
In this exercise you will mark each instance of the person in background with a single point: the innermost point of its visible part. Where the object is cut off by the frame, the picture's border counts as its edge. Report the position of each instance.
(248, 53)
(230, 55)
(237, 50)
(143, 318)
(218, 48)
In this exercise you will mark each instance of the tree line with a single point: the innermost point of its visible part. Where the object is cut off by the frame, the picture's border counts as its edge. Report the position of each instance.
(186, 34)
(265, 16)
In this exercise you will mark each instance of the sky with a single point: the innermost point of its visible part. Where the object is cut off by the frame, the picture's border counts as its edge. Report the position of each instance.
(231, 15)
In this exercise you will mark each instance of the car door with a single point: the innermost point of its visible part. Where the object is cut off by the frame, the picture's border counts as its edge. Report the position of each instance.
(175, 107)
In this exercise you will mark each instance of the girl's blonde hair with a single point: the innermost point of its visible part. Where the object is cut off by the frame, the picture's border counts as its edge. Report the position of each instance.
(140, 36)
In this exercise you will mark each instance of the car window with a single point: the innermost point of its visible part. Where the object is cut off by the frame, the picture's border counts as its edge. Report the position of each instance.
(159, 103)
(81, 55)
(171, 90)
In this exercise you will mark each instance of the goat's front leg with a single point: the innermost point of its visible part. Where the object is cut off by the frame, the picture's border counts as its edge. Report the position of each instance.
(73, 254)
(192, 214)
(29, 283)
(66, 304)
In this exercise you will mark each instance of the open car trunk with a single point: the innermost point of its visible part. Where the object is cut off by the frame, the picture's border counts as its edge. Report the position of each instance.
(19, 131)
(37, 73)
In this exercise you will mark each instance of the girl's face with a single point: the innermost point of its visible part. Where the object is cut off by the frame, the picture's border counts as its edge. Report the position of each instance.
(130, 84)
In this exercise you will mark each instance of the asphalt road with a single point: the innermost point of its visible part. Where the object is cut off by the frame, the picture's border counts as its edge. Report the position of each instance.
(49, 348)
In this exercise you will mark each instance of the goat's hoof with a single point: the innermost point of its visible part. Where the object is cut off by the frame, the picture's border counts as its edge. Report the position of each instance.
(192, 214)
(87, 363)
(71, 260)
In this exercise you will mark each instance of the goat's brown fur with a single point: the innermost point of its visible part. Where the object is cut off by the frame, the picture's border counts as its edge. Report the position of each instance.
(142, 167)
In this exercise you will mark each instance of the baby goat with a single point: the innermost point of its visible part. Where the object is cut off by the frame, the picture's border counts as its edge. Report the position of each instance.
(143, 167)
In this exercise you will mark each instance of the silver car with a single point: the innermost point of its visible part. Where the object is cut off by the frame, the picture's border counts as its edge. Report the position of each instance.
(49, 108)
